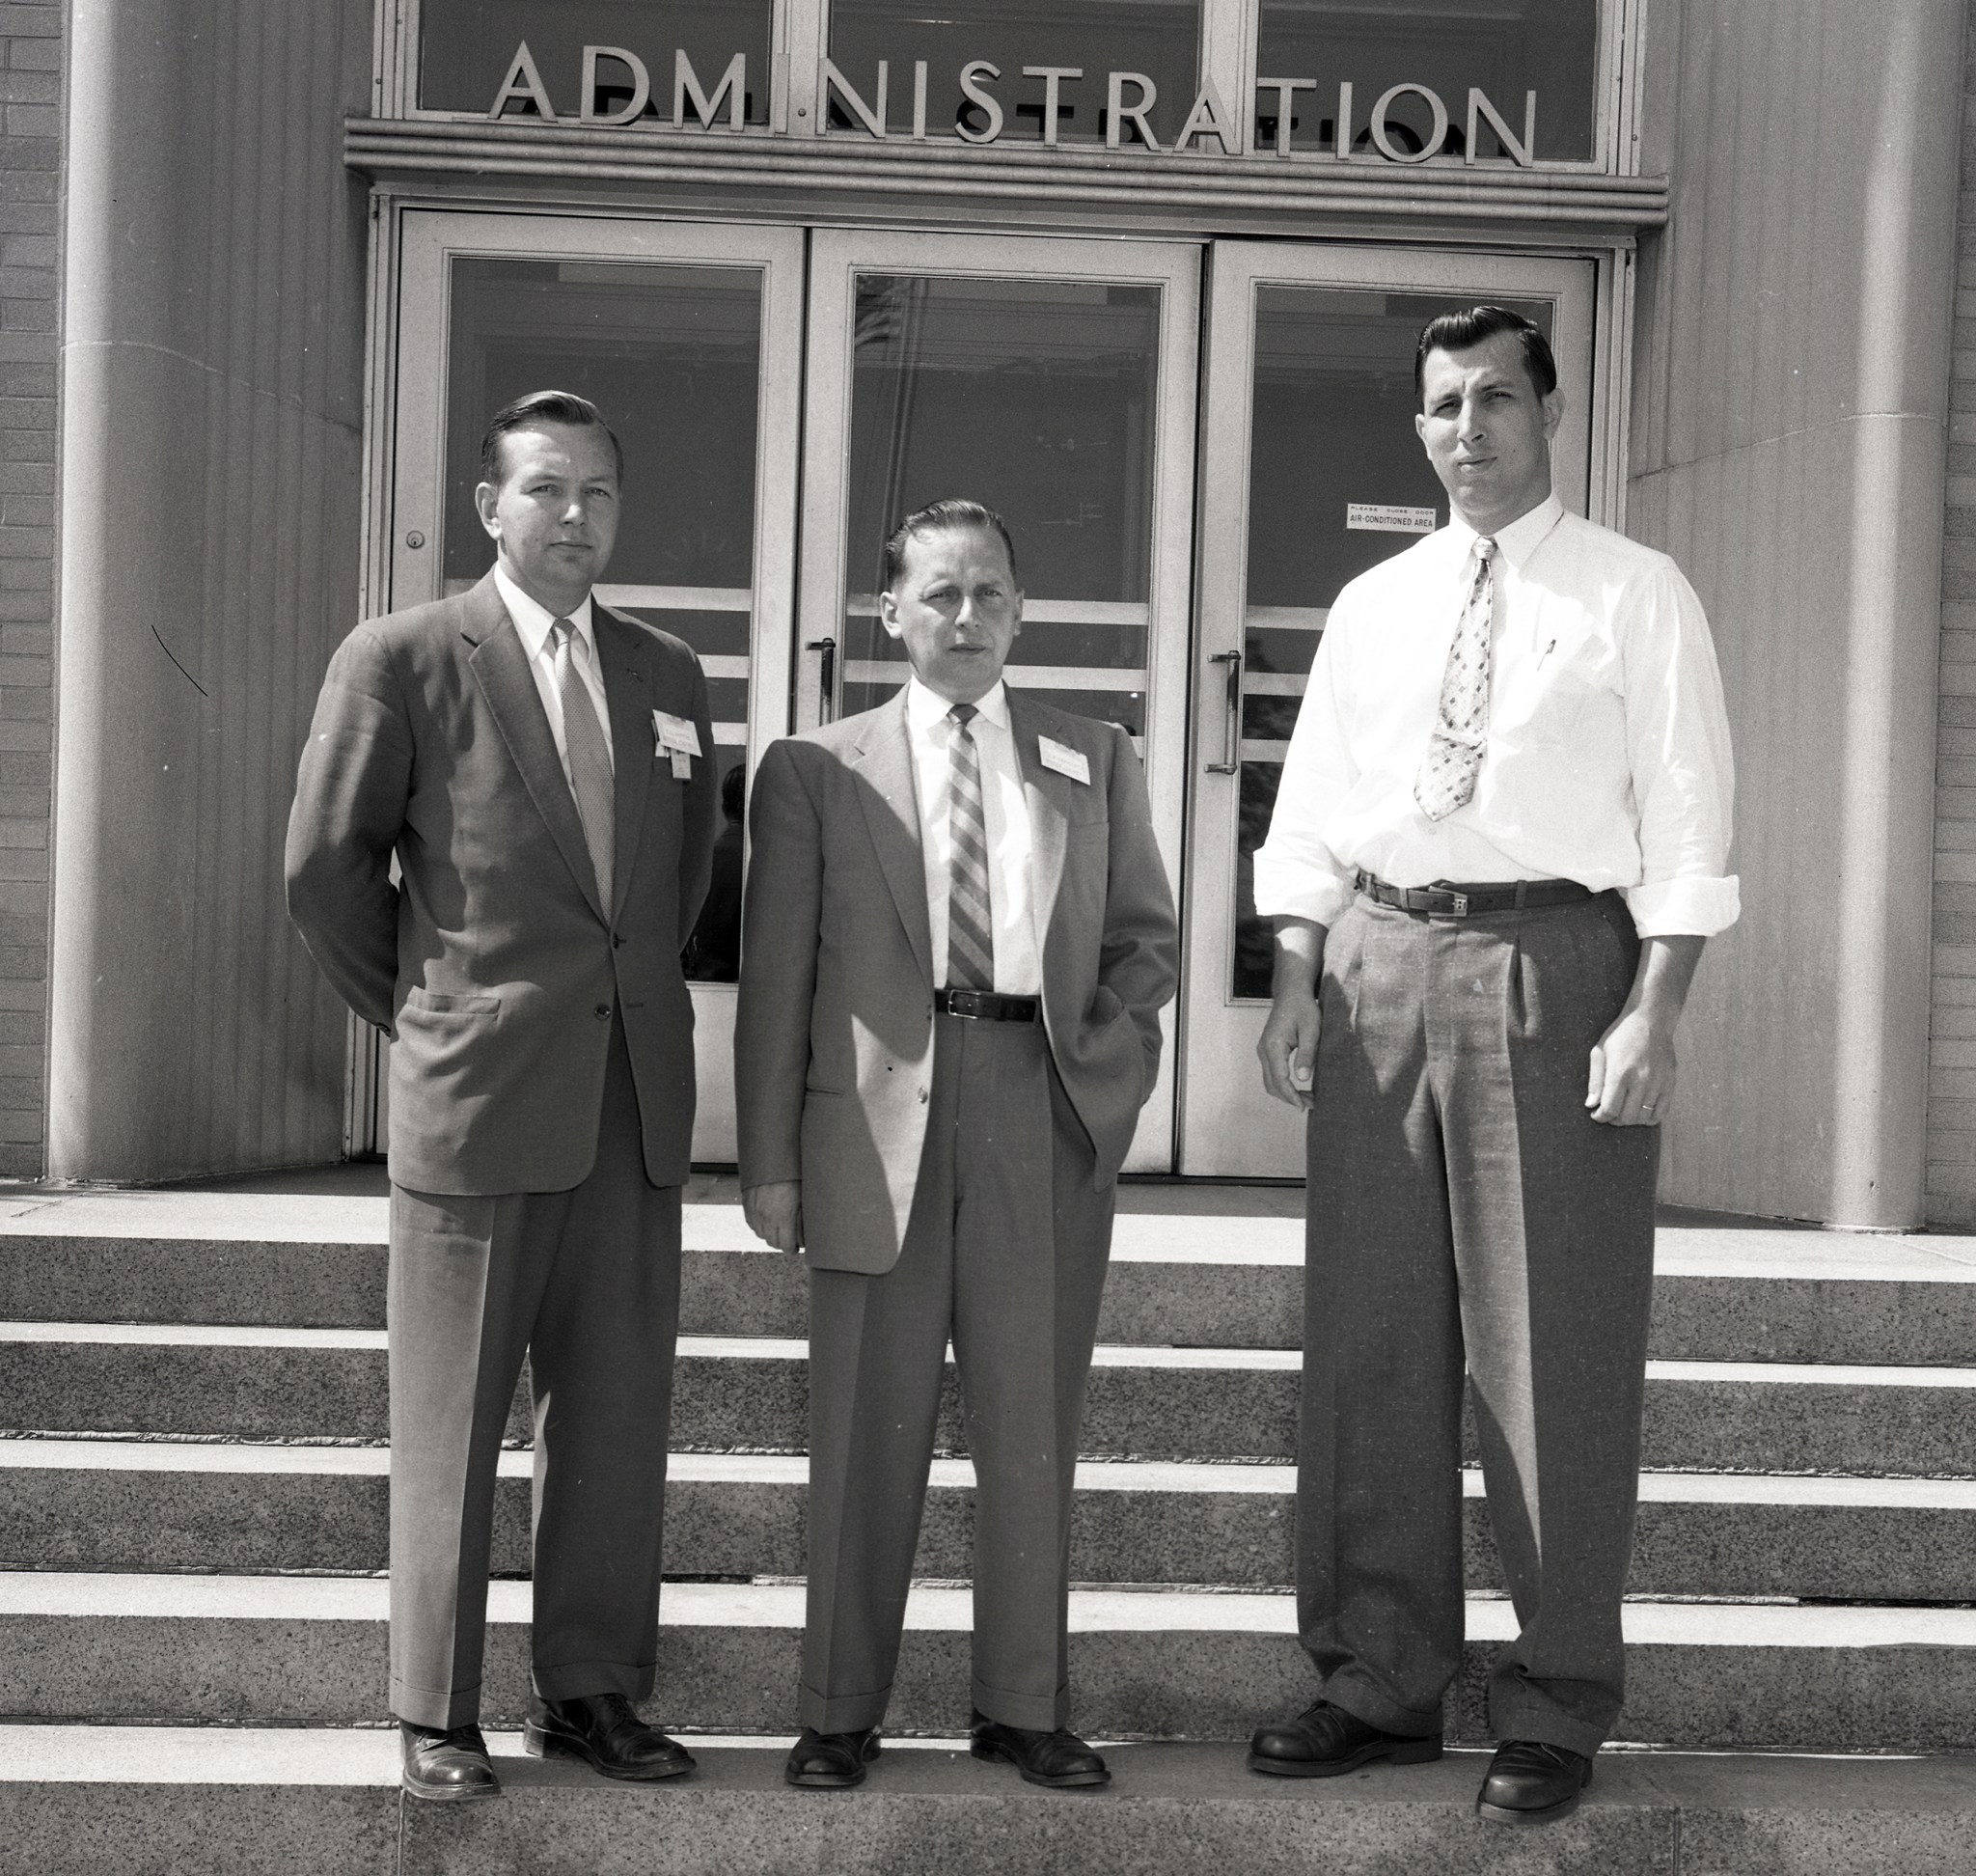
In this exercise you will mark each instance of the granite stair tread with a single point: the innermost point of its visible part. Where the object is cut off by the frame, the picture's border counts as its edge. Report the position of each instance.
(321, 1802)
(1156, 1664)
(1272, 1479)
(1183, 1272)
(284, 1383)
(214, 1506)
(931, 1606)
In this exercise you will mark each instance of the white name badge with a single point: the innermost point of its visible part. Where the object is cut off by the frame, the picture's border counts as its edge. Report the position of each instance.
(1072, 763)
(675, 735)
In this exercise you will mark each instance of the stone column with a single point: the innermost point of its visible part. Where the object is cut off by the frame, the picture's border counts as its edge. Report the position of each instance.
(209, 489)
(1789, 440)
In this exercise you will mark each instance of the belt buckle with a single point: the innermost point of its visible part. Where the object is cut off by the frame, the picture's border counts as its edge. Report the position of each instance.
(1460, 906)
(965, 1003)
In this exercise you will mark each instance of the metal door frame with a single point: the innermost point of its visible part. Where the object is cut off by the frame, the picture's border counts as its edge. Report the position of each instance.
(1227, 1126)
(408, 495)
(836, 257)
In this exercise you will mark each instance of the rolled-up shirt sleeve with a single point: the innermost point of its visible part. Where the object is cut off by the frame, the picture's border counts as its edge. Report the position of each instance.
(1677, 733)
(1296, 876)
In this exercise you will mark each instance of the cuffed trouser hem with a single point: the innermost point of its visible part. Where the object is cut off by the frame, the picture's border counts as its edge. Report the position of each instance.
(1541, 1722)
(842, 1712)
(440, 1708)
(1368, 1703)
(571, 1680)
(1034, 1712)
(1550, 1730)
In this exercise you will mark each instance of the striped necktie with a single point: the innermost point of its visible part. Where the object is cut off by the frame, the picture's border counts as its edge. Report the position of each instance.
(970, 922)
(584, 754)
(1446, 780)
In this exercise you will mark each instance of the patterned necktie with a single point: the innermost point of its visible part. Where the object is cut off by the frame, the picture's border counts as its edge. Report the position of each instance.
(1460, 725)
(970, 924)
(586, 755)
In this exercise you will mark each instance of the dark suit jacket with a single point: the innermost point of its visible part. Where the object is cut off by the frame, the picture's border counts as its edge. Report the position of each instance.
(833, 1043)
(491, 961)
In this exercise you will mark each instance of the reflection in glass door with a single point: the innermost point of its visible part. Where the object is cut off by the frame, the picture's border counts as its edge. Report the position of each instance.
(1311, 472)
(1054, 381)
(687, 339)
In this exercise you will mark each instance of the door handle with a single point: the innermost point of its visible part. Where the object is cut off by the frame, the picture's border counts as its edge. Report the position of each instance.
(826, 680)
(1232, 727)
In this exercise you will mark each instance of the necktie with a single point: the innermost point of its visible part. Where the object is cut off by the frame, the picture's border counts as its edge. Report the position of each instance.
(1461, 724)
(584, 754)
(970, 924)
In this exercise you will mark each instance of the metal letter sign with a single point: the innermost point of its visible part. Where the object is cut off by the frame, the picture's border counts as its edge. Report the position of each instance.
(1130, 99)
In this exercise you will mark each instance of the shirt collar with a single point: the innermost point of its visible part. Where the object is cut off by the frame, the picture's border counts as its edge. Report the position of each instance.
(1520, 539)
(925, 707)
(532, 620)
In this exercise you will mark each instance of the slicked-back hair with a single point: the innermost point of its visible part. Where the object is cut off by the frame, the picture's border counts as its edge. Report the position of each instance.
(531, 412)
(942, 517)
(1454, 332)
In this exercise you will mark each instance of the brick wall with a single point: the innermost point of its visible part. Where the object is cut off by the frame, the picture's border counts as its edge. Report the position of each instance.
(30, 146)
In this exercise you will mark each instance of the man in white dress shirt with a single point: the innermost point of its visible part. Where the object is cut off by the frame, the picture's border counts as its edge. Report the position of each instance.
(1499, 843)
(957, 939)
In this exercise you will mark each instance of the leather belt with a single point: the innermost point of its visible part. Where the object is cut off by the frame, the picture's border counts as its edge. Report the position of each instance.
(1449, 900)
(986, 1006)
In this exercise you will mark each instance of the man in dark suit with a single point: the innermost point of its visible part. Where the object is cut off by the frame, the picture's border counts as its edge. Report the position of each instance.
(959, 937)
(540, 769)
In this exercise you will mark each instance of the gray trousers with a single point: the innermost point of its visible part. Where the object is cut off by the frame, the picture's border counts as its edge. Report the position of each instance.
(1006, 1253)
(587, 1284)
(1461, 1201)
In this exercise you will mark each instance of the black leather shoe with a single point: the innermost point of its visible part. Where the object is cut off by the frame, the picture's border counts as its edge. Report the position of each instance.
(1324, 1742)
(1059, 1759)
(605, 1732)
(449, 1765)
(831, 1761)
(1532, 1783)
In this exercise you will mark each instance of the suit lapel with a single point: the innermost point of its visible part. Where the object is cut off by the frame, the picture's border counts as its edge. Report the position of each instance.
(500, 664)
(1041, 789)
(628, 696)
(890, 802)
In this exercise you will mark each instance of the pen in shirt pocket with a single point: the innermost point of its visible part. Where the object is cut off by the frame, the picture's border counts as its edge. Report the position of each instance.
(1545, 653)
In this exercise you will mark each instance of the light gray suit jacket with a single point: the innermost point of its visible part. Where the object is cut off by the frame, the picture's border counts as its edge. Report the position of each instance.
(834, 1044)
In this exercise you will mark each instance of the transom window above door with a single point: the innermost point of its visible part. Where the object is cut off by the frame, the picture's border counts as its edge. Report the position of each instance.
(1018, 70)
(577, 54)
(1514, 84)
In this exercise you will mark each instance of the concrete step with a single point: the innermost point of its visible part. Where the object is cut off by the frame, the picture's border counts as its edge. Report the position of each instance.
(220, 1507)
(1154, 1663)
(321, 1802)
(1212, 1267)
(749, 1394)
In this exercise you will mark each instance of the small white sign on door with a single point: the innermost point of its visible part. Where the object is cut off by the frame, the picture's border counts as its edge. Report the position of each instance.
(1386, 517)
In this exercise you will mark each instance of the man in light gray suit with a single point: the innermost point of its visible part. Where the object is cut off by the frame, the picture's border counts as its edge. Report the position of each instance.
(958, 938)
(542, 770)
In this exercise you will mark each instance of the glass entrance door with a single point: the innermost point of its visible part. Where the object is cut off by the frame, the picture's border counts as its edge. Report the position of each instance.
(1053, 381)
(1310, 474)
(688, 338)
(1053, 378)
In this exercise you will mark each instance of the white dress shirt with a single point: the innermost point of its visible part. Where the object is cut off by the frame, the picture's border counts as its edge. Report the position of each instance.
(1608, 760)
(1018, 957)
(533, 620)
